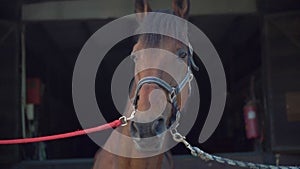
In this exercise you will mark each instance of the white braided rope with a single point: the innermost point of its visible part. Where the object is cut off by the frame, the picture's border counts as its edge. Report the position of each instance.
(205, 156)
(197, 152)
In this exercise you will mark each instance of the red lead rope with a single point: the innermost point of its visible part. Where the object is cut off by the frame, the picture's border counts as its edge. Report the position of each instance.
(115, 123)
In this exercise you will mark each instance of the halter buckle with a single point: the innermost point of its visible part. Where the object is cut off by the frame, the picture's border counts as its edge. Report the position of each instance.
(172, 95)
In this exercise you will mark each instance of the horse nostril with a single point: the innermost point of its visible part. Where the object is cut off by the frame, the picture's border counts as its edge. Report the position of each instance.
(145, 130)
(134, 130)
(158, 126)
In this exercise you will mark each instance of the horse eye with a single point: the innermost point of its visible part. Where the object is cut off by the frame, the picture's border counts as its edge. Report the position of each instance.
(182, 53)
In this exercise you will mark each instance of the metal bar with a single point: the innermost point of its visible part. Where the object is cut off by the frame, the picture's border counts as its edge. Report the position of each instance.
(23, 81)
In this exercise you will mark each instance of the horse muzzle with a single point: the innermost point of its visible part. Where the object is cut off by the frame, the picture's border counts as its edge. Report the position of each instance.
(148, 136)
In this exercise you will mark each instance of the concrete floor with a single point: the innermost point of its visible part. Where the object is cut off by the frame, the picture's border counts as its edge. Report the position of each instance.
(180, 162)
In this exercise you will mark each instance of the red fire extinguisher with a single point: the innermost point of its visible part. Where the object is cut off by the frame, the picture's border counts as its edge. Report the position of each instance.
(251, 122)
(33, 91)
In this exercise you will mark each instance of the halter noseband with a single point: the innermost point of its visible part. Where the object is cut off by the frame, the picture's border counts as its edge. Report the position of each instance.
(173, 91)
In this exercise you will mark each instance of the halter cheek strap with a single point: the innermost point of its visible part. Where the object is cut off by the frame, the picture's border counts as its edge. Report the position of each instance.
(191, 62)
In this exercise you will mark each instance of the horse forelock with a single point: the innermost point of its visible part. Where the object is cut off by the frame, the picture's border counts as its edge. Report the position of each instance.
(163, 24)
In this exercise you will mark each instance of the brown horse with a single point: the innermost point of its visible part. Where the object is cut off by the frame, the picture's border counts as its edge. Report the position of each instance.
(143, 96)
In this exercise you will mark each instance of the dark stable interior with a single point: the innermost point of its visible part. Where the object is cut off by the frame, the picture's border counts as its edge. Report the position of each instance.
(53, 46)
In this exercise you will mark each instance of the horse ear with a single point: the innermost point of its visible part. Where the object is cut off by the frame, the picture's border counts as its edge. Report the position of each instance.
(142, 6)
(181, 8)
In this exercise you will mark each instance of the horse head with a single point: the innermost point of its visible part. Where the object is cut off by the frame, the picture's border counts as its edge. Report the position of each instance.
(163, 64)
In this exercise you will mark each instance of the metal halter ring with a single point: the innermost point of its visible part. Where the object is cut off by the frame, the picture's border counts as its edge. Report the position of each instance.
(123, 120)
(172, 95)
